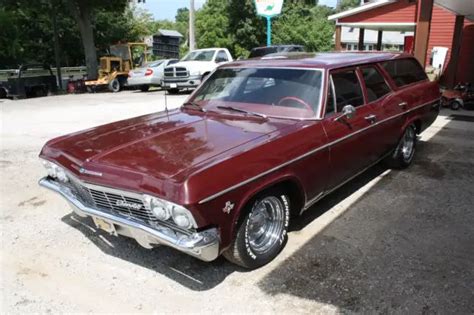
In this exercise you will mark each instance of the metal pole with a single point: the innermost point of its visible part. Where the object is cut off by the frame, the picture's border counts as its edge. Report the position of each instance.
(269, 31)
(56, 48)
(191, 26)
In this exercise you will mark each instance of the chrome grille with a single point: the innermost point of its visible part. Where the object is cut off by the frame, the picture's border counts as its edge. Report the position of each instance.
(109, 200)
(113, 202)
(175, 72)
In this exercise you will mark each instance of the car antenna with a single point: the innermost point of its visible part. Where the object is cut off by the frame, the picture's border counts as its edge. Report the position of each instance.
(166, 101)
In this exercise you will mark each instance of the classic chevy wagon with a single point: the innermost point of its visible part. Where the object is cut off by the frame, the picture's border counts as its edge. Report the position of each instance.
(258, 142)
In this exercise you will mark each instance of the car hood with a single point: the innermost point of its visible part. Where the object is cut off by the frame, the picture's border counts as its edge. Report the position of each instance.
(194, 65)
(159, 145)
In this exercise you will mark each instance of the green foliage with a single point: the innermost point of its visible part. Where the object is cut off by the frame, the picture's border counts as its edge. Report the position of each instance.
(305, 25)
(212, 25)
(348, 4)
(247, 28)
(129, 26)
(27, 34)
(26, 29)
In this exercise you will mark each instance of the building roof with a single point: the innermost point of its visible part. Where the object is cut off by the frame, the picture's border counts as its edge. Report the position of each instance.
(366, 7)
(170, 33)
(318, 60)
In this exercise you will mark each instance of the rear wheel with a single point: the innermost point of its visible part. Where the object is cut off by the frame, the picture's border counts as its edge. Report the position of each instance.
(403, 154)
(144, 88)
(262, 232)
(455, 105)
(114, 86)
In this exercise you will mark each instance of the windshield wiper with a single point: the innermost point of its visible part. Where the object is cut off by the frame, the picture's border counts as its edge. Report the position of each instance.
(195, 106)
(235, 109)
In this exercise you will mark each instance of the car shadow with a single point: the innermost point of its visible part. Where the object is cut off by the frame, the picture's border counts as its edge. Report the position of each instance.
(405, 246)
(190, 272)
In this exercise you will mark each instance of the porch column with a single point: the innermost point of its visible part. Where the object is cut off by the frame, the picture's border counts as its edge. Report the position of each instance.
(452, 69)
(361, 38)
(424, 10)
(379, 40)
(337, 44)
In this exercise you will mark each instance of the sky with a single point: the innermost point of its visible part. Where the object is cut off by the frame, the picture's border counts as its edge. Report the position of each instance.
(166, 9)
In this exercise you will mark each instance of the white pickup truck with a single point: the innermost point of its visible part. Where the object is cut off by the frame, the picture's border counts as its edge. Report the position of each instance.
(193, 68)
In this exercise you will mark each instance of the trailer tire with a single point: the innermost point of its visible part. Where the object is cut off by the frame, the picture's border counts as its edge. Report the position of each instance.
(115, 86)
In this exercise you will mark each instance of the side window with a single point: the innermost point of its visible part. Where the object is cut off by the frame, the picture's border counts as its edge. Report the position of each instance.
(375, 83)
(347, 89)
(405, 71)
(221, 56)
(330, 107)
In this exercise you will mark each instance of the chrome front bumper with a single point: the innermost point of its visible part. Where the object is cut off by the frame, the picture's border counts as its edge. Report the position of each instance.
(203, 245)
(180, 82)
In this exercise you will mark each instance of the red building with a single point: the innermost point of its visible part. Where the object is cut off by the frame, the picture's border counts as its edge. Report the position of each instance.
(443, 23)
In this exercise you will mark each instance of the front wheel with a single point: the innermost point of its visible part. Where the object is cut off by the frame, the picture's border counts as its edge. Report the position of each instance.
(262, 233)
(173, 91)
(403, 154)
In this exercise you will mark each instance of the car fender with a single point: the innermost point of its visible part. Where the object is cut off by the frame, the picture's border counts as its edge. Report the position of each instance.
(257, 187)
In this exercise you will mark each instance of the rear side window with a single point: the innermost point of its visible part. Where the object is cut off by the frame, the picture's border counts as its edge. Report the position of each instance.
(221, 56)
(347, 89)
(404, 71)
(375, 84)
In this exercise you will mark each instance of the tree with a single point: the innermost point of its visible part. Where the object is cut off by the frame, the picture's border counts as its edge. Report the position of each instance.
(212, 25)
(247, 28)
(347, 4)
(83, 12)
(304, 24)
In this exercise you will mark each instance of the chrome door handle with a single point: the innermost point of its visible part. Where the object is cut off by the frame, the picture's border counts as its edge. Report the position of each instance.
(403, 104)
(372, 118)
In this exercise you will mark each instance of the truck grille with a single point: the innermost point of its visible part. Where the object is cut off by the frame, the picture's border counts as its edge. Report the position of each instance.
(117, 202)
(176, 72)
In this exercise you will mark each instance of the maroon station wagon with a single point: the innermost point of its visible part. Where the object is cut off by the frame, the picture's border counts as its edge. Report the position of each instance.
(257, 143)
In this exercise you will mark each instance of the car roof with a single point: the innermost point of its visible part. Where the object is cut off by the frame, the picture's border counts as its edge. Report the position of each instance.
(325, 60)
(210, 48)
(276, 46)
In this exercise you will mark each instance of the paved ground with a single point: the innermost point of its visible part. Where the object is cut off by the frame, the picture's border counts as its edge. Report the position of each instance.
(388, 241)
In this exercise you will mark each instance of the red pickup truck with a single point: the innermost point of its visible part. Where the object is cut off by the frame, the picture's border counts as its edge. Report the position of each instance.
(258, 142)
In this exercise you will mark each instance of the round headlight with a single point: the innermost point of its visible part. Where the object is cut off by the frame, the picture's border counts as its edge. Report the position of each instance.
(160, 210)
(182, 220)
(61, 175)
(181, 217)
(51, 169)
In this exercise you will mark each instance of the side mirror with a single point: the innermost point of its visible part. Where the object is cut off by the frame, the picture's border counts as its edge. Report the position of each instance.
(348, 112)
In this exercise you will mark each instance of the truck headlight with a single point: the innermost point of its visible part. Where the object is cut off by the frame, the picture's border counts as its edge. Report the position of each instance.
(165, 210)
(194, 73)
(55, 171)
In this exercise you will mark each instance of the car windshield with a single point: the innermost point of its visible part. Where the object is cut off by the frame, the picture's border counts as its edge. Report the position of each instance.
(277, 92)
(200, 55)
(154, 64)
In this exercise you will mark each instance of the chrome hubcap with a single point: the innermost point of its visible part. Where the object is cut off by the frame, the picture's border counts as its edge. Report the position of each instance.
(266, 224)
(408, 144)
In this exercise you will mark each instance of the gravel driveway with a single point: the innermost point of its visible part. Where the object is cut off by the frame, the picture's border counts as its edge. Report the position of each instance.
(388, 241)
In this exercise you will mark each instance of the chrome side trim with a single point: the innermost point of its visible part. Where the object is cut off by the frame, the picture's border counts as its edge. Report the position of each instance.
(203, 245)
(251, 179)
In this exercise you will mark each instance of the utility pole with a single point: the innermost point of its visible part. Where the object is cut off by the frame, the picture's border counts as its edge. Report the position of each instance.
(191, 26)
(56, 46)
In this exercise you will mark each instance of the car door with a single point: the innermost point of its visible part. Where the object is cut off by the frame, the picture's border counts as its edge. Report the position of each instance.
(351, 140)
(385, 103)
